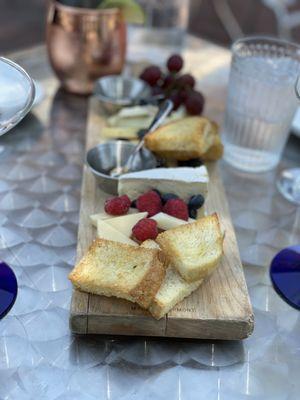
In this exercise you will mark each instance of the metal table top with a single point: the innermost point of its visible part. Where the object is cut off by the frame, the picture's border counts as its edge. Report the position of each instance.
(40, 177)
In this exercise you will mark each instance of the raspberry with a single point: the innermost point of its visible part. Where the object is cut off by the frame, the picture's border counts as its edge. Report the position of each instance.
(150, 202)
(177, 208)
(145, 229)
(117, 205)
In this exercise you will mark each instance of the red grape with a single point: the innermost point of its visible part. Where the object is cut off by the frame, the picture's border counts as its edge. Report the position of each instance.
(157, 90)
(194, 104)
(169, 81)
(184, 94)
(151, 75)
(175, 63)
(175, 97)
(186, 80)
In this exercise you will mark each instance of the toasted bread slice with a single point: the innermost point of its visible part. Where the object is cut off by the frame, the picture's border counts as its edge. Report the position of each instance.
(193, 249)
(114, 269)
(184, 139)
(173, 289)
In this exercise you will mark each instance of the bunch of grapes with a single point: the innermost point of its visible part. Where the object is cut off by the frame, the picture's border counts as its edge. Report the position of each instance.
(180, 88)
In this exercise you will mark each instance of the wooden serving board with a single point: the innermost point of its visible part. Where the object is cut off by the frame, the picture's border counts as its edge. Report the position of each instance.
(219, 309)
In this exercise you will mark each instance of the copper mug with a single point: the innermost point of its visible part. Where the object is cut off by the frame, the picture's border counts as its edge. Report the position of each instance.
(84, 44)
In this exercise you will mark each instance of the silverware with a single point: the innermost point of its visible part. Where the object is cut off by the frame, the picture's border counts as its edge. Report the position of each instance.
(135, 158)
(106, 156)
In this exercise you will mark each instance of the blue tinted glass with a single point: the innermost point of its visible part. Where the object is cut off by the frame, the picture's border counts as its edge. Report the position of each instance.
(8, 289)
(285, 275)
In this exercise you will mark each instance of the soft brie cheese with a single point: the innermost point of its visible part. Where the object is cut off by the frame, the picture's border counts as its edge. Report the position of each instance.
(108, 232)
(140, 117)
(182, 181)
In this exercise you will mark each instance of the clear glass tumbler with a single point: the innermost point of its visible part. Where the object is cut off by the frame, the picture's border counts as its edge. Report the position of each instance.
(261, 102)
(165, 26)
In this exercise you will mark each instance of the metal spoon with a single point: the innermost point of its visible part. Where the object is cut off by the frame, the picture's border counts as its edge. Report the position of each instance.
(162, 113)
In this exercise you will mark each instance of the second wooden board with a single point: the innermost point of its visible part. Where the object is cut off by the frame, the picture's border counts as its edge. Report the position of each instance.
(219, 309)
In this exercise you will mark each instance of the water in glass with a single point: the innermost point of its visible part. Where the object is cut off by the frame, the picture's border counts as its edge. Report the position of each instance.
(261, 104)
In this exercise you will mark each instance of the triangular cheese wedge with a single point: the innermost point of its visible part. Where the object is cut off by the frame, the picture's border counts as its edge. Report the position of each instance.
(125, 223)
(108, 232)
(94, 218)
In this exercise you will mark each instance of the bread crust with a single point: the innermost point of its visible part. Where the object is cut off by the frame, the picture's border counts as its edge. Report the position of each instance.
(159, 309)
(143, 293)
(173, 254)
(215, 152)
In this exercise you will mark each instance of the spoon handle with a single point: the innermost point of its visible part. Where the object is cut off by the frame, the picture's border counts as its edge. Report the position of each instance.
(163, 111)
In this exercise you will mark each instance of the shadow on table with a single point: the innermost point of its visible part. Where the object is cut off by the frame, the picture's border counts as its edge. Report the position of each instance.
(68, 115)
(148, 352)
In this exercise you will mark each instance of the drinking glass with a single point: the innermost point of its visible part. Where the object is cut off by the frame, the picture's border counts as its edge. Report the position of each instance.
(166, 24)
(16, 94)
(289, 181)
(16, 97)
(261, 102)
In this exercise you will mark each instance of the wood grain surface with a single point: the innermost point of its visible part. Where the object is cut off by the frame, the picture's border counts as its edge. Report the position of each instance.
(219, 309)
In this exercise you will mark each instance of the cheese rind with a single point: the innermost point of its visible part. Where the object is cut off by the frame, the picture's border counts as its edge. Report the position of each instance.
(182, 181)
(108, 232)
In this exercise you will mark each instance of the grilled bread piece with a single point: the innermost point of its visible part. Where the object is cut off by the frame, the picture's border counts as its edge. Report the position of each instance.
(114, 269)
(193, 249)
(173, 289)
(184, 139)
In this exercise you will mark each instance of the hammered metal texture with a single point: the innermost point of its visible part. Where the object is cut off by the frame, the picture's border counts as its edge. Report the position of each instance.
(40, 177)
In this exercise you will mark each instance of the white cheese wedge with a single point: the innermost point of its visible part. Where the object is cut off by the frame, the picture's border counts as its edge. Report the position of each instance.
(94, 218)
(140, 117)
(108, 232)
(183, 181)
(119, 132)
(137, 111)
(166, 222)
(125, 223)
(201, 213)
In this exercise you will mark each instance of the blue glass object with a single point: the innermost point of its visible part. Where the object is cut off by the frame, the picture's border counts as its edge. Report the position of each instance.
(8, 289)
(285, 275)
